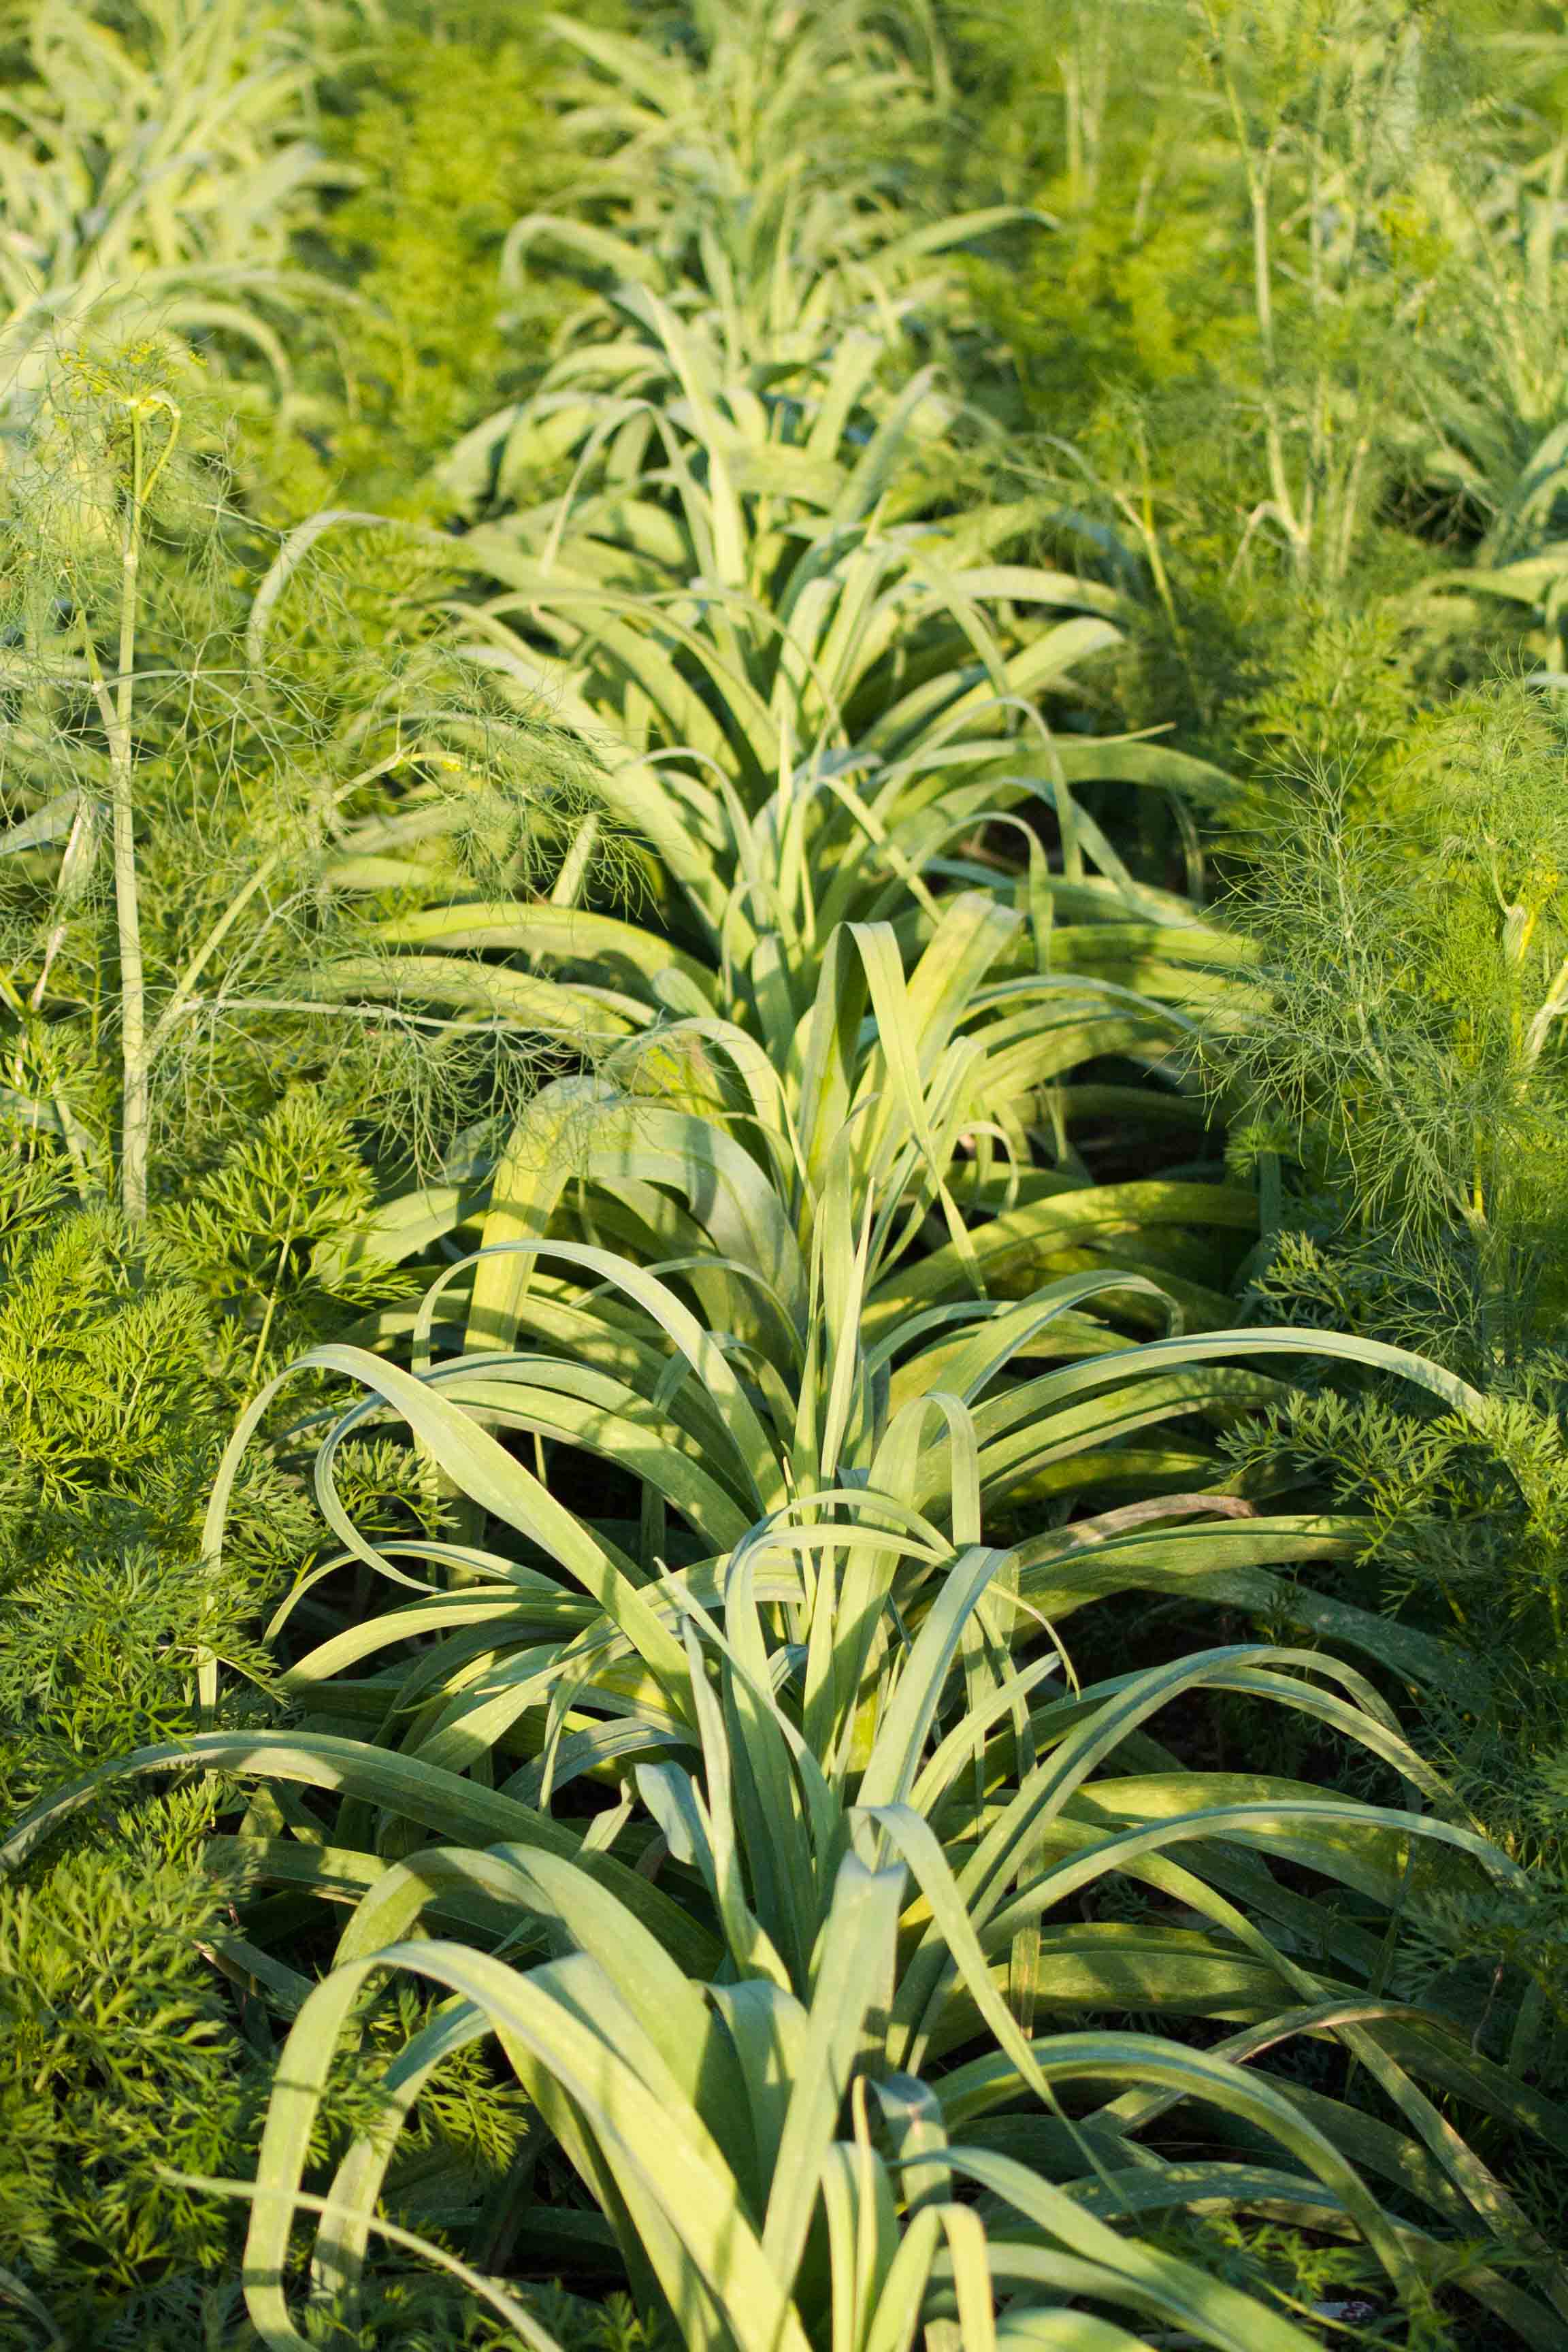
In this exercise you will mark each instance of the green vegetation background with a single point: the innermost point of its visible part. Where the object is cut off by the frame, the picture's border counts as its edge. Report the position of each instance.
(1280, 363)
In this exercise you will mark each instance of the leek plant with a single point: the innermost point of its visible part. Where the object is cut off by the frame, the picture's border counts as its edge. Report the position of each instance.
(768, 155)
(850, 1769)
(821, 701)
(811, 1940)
(152, 162)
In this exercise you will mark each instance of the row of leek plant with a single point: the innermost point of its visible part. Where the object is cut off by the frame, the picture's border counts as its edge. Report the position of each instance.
(785, 1219)
(152, 168)
(729, 1766)
(811, 2002)
(818, 697)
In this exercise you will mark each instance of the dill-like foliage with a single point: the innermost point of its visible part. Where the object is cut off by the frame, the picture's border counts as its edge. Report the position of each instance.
(124, 1386)
(120, 2055)
(447, 133)
(213, 820)
(1405, 1045)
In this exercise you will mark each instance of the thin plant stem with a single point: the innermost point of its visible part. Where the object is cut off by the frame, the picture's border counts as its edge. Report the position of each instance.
(118, 714)
(135, 1099)
(264, 1333)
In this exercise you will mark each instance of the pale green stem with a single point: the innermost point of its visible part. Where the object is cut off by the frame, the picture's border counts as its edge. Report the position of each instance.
(1073, 94)
(81, 824)
(1263, 295)
(117, 714)
(1259, 176)
(266, 1331)
(1552, 1009)
(135, 1090)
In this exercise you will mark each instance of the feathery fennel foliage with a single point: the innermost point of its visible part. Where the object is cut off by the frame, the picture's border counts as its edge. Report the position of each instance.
(1411, 977)
(196, 833)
